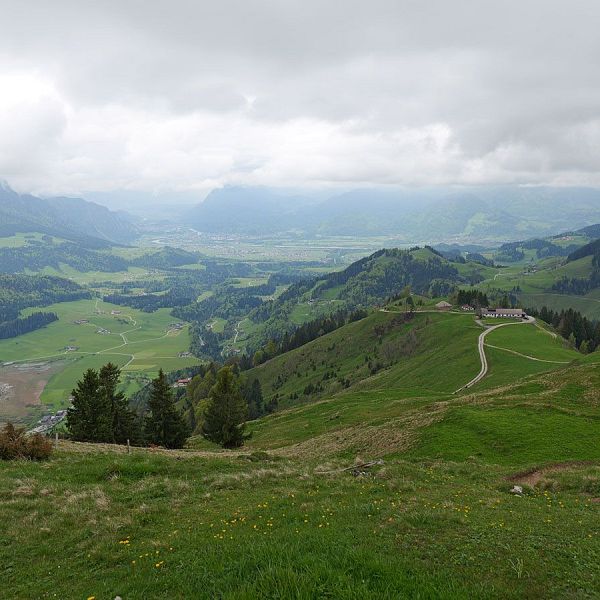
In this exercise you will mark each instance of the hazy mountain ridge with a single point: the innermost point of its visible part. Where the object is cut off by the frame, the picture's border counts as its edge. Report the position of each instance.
(486, 214)
(73, 218)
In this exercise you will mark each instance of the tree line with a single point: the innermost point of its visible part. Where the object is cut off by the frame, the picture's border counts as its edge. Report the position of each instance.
(198, 392)
(473, 298)
(301, 335)
(573, 326)
(22, 291)
(220, 401)
(100, 413)
(19, 326)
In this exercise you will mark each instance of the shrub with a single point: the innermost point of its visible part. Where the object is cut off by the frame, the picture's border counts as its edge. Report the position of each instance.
(15, 443)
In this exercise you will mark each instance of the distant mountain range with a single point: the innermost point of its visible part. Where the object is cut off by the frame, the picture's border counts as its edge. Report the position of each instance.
(476, 215)
(72, 218)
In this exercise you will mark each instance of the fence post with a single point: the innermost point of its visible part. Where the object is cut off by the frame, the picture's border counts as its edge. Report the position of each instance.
(56, 439)
(128, 447)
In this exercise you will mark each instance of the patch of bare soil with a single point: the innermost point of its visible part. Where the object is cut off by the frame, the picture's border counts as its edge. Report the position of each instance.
(21, 386)
(533, 476)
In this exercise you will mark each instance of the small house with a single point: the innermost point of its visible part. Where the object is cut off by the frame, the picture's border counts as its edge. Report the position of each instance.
(443, 305)
(182, 382)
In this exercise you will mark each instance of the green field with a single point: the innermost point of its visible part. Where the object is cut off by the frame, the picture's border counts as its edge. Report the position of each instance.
(90, 277)
(341, 362)
(533, 341)
(139, 342)
(21, 239)
(435, 520)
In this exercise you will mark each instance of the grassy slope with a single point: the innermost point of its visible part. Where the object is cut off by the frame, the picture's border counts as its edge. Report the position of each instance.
(536, 287)
(380, 413)
(146, 334)
(435, 521)
(445, 358)
(444, 339)
(533, 341)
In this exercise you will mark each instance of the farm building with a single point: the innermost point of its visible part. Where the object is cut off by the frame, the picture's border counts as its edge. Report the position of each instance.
(182, 382)
(443, 305)
(509, 313)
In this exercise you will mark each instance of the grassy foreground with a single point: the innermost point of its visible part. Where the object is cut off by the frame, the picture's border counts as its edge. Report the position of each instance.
(435, 520)
(152, 526)
(285, 518)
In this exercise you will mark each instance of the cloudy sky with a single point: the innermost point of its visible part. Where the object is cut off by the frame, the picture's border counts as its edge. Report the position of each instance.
(154, 95)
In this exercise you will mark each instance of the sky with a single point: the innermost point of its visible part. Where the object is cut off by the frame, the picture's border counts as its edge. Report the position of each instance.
(184, 96)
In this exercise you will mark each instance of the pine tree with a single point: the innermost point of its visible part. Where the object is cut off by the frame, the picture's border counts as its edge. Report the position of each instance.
(124, 423)
(164, 426)
(225, 416)
(254, 399)
(100, 413)
(89, 419)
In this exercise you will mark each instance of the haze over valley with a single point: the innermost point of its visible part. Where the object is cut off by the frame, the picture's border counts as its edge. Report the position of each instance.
(300, 300)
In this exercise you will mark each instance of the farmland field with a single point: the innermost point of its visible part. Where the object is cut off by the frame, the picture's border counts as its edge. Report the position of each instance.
(139, 342)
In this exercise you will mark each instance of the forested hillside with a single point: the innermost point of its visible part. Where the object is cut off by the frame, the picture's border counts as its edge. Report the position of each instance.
(39, 254)
(73, 218)
(365, 283)
(22, 291)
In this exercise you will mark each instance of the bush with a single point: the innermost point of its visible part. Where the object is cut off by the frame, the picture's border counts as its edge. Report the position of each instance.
(15, 443)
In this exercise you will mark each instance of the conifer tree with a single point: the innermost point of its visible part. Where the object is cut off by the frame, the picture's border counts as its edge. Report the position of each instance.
(89, 419)
(124, 424)
(165, 426)
(100, 413)
(254, 399)
(224, 420)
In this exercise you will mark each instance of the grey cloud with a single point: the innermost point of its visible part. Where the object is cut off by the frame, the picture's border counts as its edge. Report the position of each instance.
(188, 92)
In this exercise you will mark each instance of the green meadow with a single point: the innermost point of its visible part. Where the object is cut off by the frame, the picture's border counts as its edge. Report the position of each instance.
(533, 341)
(140, 342)
(434, 519)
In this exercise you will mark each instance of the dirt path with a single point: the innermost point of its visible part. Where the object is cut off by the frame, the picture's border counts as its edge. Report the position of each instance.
(481, 348)
(554, 362)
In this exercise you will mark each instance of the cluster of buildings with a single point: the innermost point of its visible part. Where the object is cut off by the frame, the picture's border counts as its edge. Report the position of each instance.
(48, 422)
(505, 313)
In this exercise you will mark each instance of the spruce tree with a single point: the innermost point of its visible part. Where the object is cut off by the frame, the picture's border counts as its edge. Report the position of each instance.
(89, 418)
(164, 426)
(124, 423)
(254, 398)
(227, 411)
(100, 413)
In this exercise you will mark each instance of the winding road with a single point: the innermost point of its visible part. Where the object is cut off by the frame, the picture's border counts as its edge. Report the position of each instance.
(481, 347)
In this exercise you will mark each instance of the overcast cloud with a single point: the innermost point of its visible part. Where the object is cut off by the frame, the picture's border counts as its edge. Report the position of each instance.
(188, 95)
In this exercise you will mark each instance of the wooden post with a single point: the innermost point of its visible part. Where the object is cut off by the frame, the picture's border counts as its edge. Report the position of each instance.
(56, 439)
(128, 447)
